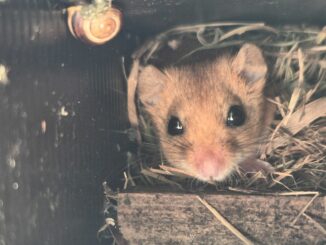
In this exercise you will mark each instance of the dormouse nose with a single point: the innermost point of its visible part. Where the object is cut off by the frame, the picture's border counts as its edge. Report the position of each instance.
(209, 164)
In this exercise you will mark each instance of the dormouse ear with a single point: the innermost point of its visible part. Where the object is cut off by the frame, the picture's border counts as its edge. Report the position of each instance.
(250, 64)
(150, 85)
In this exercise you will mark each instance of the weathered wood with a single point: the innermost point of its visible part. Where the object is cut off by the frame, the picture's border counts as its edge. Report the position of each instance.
(163, 218)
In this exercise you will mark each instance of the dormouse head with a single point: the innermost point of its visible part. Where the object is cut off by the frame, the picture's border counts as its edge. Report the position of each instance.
(210, 115)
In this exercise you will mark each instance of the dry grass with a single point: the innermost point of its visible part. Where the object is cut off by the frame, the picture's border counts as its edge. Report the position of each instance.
(225, 222)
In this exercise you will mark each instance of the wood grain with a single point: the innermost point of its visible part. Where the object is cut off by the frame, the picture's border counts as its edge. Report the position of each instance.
(165, 218)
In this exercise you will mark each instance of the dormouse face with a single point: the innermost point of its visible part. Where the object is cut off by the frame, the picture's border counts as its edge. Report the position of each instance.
(209, 116)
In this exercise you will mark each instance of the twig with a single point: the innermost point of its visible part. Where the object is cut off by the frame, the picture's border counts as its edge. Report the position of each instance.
(305, 208)
(224, 222)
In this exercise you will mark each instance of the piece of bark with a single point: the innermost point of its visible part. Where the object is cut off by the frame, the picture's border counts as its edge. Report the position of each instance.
(167, 218)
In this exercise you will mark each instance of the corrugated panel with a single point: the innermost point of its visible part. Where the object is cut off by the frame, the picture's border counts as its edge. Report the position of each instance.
(51, 181)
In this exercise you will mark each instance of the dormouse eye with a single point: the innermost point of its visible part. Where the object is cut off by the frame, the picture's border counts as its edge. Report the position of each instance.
(175, 127)
(236, 116)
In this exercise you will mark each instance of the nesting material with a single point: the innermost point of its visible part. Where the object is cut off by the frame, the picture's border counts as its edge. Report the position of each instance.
(296, 146)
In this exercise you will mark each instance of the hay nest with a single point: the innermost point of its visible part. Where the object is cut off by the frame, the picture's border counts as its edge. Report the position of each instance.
(296, 147)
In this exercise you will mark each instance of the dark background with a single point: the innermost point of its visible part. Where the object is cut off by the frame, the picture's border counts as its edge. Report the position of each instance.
(51, 183)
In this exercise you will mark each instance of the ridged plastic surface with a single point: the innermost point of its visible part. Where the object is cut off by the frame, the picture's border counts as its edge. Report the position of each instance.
(62, 115)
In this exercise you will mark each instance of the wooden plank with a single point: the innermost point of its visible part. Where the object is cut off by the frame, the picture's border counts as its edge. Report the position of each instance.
(165, 218)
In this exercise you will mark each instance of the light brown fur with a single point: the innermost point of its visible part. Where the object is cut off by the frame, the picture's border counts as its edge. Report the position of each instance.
(200, 95)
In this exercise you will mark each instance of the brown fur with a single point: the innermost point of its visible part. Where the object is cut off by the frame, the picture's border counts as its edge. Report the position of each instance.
(200, 95)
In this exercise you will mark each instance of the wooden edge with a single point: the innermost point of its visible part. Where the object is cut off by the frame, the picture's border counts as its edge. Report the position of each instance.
(165, 218)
